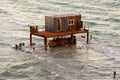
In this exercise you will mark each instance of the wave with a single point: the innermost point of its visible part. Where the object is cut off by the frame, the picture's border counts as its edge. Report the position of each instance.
(108, 50)
(58, 2)
(12, 74)
(115, 4)
(18, 22)
(23, 66)
(112, 20)
(91, 23)
(116, 28)
(12, 20)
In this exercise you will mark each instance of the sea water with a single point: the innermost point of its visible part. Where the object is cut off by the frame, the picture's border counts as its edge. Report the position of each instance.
(94, 61)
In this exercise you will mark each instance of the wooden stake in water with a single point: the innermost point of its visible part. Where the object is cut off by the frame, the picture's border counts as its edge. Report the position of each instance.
(20, 46)
(16, 46)
(114, 75)
(23, 44)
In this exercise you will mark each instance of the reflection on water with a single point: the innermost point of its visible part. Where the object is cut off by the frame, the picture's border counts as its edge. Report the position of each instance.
(68, 53)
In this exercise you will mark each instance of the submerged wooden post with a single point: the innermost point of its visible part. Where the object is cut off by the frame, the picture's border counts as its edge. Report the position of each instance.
(33, 49)
(30, 39)
(16, 46)
(45, 42)
(88, 36)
